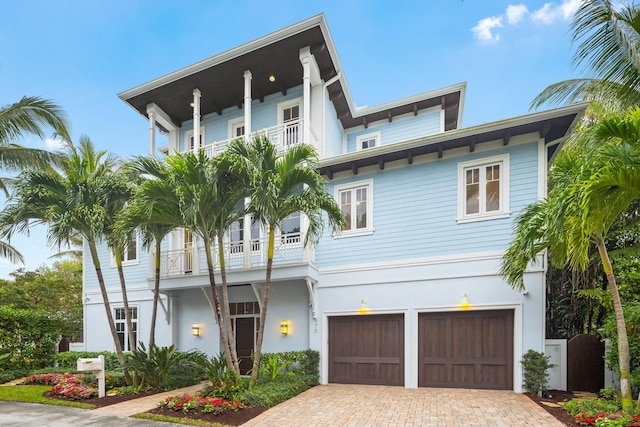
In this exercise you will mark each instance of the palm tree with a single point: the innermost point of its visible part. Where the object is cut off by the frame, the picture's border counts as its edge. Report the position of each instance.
(281, 184)
(154, 220)
(587, 195)
(193, 180)
(609, 52)
(72, 201)
(30, 115)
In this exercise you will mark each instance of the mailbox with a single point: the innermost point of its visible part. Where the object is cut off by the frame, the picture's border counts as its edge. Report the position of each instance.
(95, 365)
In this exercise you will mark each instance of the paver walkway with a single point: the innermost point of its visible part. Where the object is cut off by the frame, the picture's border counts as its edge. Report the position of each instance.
(380, 406)
(143, 404)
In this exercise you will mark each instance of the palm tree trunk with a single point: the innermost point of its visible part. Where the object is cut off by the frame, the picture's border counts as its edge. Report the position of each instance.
(107, 307)
(156, 295)
(227, 317)
(216, 303)
(623, 341)
(263, 310)
(125, 300)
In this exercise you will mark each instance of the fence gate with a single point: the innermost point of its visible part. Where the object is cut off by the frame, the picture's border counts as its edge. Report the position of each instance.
(585, 354)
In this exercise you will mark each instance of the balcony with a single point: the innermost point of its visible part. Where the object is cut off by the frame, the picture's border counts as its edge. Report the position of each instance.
(238, 256)
(283, 136)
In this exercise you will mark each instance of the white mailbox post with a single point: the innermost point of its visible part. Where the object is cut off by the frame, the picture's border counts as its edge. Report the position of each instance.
(96, 366)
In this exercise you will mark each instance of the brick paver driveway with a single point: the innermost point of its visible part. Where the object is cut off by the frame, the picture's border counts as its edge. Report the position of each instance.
(356, 405)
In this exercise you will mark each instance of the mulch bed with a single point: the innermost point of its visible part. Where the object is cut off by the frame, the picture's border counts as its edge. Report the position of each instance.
(556, 397)
(107, 400)
(231, 418)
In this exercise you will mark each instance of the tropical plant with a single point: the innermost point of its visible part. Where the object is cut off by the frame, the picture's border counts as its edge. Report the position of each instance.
(536, 377)
(273, 367)
(584, 200)
(30, 115)
(608, 50)
(154, 367)
(71, 201)
(214, 368)
(281, 184)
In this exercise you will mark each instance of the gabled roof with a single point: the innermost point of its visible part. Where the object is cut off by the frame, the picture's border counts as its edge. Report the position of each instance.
(553, 125)
(220, 80)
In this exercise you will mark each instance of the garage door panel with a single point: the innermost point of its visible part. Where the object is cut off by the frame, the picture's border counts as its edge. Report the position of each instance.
(367, 349)
(472, 349)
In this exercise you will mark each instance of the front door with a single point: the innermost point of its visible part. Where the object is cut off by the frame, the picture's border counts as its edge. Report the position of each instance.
(245, 335)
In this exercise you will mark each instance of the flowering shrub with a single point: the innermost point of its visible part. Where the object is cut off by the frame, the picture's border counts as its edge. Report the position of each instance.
(186, 403)
(602, 419)
(68, 385)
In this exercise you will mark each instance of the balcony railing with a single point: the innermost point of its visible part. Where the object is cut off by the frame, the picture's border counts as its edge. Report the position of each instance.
(288, 249)
(284, 136)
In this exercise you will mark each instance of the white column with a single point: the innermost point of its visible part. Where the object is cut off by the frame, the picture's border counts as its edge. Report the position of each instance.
(306, 99)
(247, 105)
(246, 243)
(152, 134)
(196, 120)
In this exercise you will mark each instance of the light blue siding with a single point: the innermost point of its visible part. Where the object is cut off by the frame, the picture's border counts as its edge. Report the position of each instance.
(415, 210)
(401, 129)
(332, 129)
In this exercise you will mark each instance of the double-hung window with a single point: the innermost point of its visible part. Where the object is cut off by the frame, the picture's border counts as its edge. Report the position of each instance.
(189, 139)
(356, 203)
(123, 331)
(129, 252)
(483, 188)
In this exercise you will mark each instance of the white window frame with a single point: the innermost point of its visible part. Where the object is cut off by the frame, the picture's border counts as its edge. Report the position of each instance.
(125, 254)
(367, 137)
(503, 212)
(352, 186)
(288, 104)
(187, 139)
(232, 124)
(123, 321)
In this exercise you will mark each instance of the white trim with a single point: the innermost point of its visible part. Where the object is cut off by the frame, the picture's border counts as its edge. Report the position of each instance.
(376, 136)
(232, 123)
(368, 184)
(124, 321)
(504, 211)
(287, 104)
(542, 169)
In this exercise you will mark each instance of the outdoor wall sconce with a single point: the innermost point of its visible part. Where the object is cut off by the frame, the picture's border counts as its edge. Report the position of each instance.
(195, 329)
(284, 327)
(363, 307)
(464, 304)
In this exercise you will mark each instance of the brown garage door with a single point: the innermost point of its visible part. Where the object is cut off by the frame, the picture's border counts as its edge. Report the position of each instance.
(470, 349)
(367, 349)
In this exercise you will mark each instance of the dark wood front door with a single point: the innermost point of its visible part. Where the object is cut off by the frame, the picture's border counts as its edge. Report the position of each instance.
(469, 349)
(245, 332)
(367, 349)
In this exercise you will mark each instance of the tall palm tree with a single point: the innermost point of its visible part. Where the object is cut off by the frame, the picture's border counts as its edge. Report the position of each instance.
(71, 201)
(30, 115)
(153, 220)
(582, 204)
(281, 184)
(192, 178)
(608, 51)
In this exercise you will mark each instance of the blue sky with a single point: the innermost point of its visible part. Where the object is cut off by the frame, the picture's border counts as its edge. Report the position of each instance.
(83, 53)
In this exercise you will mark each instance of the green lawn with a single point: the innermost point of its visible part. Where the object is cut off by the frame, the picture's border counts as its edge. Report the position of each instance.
(34, 394)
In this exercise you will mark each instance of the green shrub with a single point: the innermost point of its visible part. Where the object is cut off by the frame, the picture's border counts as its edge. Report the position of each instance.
(213, 368)
(28, 337)
(10, 375)
(273, 367)
(67, 361)
(536, 377)
(230, 388)
(183, 374)
(155, 367)
(306, 362)
(590, 407)
(271, 393)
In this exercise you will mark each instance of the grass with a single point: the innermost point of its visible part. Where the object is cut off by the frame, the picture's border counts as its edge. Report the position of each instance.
(34, 394)
(164, 418)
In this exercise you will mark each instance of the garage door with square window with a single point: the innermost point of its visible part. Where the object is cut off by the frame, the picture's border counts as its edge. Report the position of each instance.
(470, 349)
(367, 349)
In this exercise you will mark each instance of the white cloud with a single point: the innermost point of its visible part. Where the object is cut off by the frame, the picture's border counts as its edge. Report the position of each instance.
(515, 13)
(548, 13)
(54, 144)
(483, 31)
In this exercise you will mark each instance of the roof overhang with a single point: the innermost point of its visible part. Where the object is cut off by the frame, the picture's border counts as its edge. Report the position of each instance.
(553, 125)
(221, 82)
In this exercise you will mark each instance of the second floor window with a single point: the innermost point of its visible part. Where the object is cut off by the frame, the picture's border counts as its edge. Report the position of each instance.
(483, 188)
(356, 204)
(129, 252)
(369, 140)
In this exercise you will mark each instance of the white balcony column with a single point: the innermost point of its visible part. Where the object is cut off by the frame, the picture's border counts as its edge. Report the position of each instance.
(195, 258)
(152, 134)
(247, 105)
(306, 95)
(196, 120)
(246, 241)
